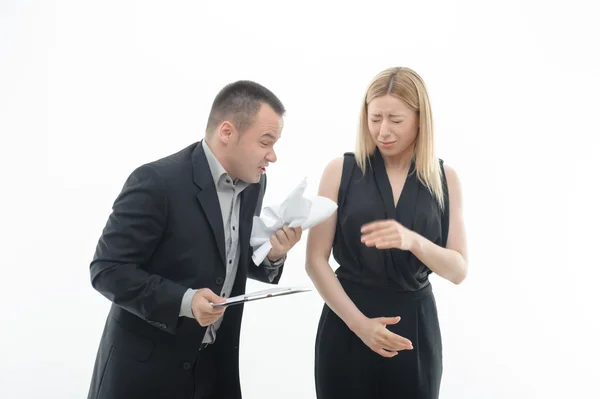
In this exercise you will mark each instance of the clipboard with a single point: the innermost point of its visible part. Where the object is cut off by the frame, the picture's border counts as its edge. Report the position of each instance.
(258, 295)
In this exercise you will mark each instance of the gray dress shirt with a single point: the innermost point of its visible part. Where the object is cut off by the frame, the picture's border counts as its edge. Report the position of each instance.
(228, 192)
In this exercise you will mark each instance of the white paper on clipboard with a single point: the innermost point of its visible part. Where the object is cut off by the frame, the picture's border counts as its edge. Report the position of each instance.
(264, 294)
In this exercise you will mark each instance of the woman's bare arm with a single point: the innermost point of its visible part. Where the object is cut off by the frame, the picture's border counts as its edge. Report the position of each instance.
(449, 262)
(318, 251)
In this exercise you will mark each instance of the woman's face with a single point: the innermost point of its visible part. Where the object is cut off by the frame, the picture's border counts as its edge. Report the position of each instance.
(392, 124)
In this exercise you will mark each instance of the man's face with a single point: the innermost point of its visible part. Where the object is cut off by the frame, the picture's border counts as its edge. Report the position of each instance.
(249, 153)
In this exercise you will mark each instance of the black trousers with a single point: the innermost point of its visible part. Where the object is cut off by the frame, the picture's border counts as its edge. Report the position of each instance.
(346, 368)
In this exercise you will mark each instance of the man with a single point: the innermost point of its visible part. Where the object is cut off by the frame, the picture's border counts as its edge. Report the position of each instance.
(178, 238)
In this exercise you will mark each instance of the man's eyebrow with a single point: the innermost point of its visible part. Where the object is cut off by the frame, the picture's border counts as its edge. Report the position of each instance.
(270, 135)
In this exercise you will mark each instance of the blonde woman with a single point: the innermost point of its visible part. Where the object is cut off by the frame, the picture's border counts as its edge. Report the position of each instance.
(399, 219)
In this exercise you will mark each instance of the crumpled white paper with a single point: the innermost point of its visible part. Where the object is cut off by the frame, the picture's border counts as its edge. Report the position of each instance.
(296, 210)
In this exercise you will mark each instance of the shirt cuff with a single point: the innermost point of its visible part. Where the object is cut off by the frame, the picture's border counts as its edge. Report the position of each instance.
(186, 304)
(273, 268)
(267, 264)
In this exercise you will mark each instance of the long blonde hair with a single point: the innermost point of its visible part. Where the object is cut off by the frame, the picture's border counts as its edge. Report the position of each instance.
(406, 85)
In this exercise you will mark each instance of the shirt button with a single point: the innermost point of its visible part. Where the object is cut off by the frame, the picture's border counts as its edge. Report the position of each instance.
(230, 261)
(187, 365)
(228, 181)
(219, 280)
(234, 227)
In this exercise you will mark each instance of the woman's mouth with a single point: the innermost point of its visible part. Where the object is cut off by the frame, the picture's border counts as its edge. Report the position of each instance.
(387, 144)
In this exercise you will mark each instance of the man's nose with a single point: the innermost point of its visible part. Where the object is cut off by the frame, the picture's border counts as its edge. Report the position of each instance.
(272, 157)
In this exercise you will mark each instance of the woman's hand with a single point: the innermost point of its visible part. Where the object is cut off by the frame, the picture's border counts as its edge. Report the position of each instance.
(379, 339)
(386, 234)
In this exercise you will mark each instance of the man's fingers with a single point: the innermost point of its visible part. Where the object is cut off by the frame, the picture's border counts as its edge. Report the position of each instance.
(284, 237)
(213, 313)
(217, 310)
(275, 244)
(202, 310)
(207, 321)
(281, 235)
(212, 297)
(290, 234)
(298, 232)
(293, 233)
(207, 310)
(205, 307)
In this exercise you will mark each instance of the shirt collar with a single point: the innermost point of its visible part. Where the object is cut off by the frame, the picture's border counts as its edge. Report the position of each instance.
(216, 169)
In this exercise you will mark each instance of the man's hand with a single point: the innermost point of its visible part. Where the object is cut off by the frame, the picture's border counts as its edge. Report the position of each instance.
(203, 311)
(282, 241)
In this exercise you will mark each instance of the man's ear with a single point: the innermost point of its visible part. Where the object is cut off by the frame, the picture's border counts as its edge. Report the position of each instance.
(226, 132)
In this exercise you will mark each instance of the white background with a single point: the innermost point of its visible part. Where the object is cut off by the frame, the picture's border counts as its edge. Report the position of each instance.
(91, 90)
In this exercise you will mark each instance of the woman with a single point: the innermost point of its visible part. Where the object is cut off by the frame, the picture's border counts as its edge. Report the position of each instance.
(399, 219)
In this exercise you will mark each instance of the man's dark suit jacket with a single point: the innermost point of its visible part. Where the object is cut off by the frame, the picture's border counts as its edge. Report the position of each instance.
(165, 235)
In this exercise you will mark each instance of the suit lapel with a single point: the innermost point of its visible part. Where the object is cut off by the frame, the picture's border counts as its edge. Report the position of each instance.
(248, 200)
(208, 198)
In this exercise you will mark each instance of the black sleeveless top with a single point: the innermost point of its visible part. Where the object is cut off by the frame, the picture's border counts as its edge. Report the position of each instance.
(366, 198)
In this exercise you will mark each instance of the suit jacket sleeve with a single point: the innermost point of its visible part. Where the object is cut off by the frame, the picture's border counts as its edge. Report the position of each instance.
(132, 232)
(266, 272)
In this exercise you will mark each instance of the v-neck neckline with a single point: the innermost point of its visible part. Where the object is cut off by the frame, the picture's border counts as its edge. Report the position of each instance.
(403, 210)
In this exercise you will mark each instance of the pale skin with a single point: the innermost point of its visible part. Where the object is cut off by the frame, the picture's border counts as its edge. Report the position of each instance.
(245, 156)
(394, 128)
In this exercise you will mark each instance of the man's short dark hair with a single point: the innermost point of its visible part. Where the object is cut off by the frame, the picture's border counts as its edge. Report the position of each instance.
(240, 102)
